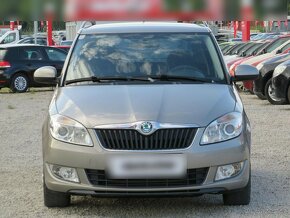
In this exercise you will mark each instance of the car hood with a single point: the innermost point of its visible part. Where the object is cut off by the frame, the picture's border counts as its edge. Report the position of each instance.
(94, 105)
(276, 60)
(258, 58)
(228, 58)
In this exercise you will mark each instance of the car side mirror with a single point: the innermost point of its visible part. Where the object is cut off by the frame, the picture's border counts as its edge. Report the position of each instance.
(264, 51)
(245, 72)
(279, 51)
(244, 54)
(46, 75)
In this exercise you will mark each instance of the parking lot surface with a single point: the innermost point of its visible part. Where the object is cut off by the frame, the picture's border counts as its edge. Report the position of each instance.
(21, 117)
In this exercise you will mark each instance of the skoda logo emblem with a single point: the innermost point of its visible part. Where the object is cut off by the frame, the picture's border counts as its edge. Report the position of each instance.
(146, 127)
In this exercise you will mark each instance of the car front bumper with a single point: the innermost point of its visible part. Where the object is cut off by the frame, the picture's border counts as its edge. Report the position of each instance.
(208, 156)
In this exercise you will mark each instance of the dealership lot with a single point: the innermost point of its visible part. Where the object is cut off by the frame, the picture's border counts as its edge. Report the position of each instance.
(21, 117)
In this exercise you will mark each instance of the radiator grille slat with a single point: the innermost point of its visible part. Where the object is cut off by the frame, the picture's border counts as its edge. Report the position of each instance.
(128, 139)
(193, 177)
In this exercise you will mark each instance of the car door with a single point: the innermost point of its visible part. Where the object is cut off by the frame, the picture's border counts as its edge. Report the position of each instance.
(33, 57)
(56, 58)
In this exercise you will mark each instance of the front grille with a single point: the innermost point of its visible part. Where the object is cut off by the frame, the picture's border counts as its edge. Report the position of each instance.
(127, 139)
(193, 177)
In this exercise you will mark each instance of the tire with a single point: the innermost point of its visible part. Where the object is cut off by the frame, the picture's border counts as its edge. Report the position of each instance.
(288, 94)
(240, 197)
(270, 96)
(261, 96)
(19, 83)
(55, 199)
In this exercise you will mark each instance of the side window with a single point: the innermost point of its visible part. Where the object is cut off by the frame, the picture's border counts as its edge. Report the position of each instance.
(285, 47)
(28, 41)
(55, 55)
(41, 42)
(31, 54)
(10, 38)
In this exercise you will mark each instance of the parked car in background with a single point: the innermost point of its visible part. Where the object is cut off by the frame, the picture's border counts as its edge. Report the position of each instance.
(246, 56)
(239, 54)
(255, 60)
(66, 48)
(262, 86)
(224, 36)
(66, 43)
(31, 40)
(18, 63)
(274, 44)
(226, 48)
(280, 84)
(263, 36)
(239, 38)
(234, 48)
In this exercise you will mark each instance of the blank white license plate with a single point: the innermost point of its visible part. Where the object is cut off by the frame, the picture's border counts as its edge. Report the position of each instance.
(146, 166)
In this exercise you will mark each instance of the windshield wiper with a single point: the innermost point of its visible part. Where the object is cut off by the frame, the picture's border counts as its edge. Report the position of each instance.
(86, 79)
(145, 79)
(103, 79)
(164, 77)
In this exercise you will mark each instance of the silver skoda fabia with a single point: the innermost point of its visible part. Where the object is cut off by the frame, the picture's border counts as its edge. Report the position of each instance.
(146, 109)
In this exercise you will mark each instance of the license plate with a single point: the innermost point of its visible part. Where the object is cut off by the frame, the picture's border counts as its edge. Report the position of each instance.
(146, 166)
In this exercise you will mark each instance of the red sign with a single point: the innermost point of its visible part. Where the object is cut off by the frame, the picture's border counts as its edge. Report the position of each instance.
(12, 25)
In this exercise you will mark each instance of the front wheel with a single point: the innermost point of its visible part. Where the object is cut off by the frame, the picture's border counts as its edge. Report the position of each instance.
(19, 83)
(269, 92)
(240, 197)
(55, 199)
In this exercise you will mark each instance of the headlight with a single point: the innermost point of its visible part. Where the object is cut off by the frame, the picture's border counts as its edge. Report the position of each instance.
(67, 130)
(278, 70)
(224, 128)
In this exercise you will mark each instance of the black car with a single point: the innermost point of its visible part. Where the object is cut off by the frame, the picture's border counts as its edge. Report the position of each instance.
(18, 63)
(281, 83)
(262, 86)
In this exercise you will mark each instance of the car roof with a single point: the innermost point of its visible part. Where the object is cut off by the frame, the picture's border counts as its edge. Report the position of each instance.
(38, 37)
(144, 27)
(23, 45)
(20, 45)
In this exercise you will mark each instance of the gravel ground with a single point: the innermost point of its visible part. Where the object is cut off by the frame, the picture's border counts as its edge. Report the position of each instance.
(21, 117)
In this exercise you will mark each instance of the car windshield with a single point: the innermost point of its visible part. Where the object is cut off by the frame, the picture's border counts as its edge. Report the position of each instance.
(276, 44)
(234, 49)
(244, 48)
(130, 55)
(250, 50)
